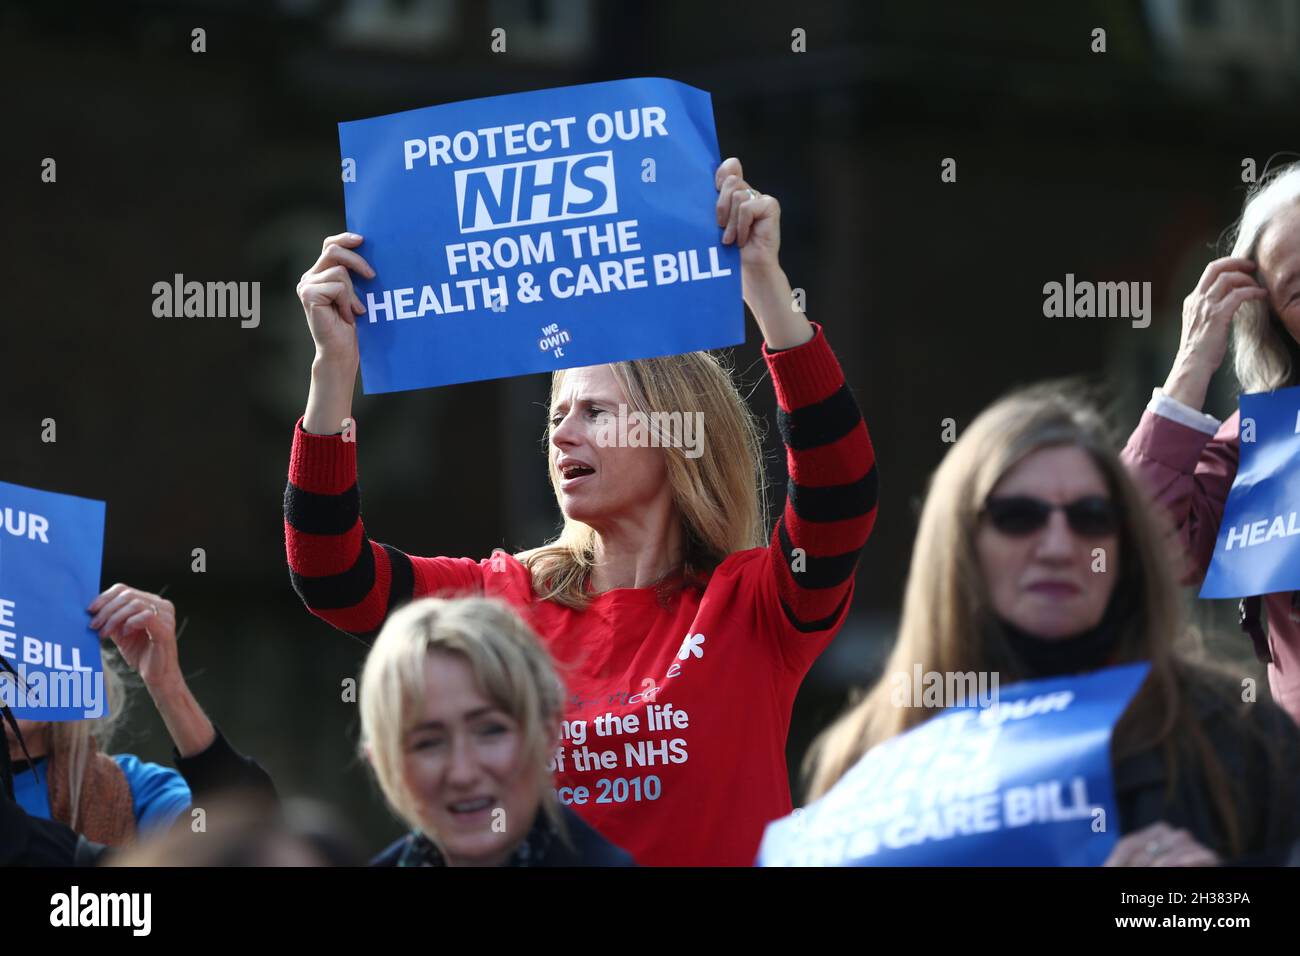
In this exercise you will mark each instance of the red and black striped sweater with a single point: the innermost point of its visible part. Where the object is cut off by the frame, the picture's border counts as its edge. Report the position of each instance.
(675, 729)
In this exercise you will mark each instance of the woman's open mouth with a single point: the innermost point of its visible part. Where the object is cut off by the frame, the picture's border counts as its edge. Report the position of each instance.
(472, 812)
(572, 473)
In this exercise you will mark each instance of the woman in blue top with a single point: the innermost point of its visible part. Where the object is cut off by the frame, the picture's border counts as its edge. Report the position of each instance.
(60, 771)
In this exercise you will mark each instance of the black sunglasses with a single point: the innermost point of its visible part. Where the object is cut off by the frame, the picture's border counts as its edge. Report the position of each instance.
(1090, 517)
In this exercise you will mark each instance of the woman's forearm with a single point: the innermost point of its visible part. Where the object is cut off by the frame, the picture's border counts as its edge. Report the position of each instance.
(189, 727)
(770, 298)
(329, 397)
(1188, 382)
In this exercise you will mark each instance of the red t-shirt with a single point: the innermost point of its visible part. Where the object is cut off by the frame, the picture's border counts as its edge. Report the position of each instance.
(676, 722)
(673, 743)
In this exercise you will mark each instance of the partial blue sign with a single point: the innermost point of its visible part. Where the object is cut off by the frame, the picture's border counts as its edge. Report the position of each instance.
(51, 547)
(538, 231)
(1025, 781)
(1258, 548)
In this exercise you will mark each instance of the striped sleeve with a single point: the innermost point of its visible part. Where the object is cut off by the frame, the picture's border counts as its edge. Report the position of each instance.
(342, 576)
(830, 504)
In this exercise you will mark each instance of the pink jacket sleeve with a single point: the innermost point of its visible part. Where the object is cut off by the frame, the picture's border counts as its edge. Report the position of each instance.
(1189, 473)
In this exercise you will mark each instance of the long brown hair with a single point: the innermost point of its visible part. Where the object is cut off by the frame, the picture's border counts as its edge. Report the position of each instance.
(720, 496)
(948, 623)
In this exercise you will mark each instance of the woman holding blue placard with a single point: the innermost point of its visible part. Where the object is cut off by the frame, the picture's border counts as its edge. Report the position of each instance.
(1188, 459)
(681, 629)
(1037, 557)
(61, 770)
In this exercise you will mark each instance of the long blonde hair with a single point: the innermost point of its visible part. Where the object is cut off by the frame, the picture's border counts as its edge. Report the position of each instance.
(948, 623)
(1265, 355)
(77, 740)
(721, 496)
(509, 664)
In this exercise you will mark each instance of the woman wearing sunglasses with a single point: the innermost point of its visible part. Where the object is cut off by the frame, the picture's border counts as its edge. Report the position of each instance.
(1036, 556)
(1188, 459)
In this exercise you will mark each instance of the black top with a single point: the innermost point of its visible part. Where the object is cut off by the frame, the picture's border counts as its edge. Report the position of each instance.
(222, 767)
(1256, 744)
(542, 847)
(1264, 786)
(30, 841)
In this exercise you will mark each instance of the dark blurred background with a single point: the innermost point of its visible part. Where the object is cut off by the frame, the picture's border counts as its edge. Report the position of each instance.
(224, 165)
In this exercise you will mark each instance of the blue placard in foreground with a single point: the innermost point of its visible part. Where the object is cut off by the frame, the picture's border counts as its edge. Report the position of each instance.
(537, 231)
(51, 548)
(1023, 782)
(1258, 548)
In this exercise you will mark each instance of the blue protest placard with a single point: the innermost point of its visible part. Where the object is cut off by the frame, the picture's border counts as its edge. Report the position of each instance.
(538, 231)
(1258, 548)
(1025, 781)
(51, 547)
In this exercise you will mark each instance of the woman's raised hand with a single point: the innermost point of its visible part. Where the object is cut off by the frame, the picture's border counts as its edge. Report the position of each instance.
(748, 218)
(330, 302)
(332, 307)
(1207, 319)
(753, 222)
(143, 626)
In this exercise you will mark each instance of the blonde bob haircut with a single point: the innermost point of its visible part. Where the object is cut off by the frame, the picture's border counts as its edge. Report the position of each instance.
(510, 666)
(949, 625)
(1265, 356)
(721, 496)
